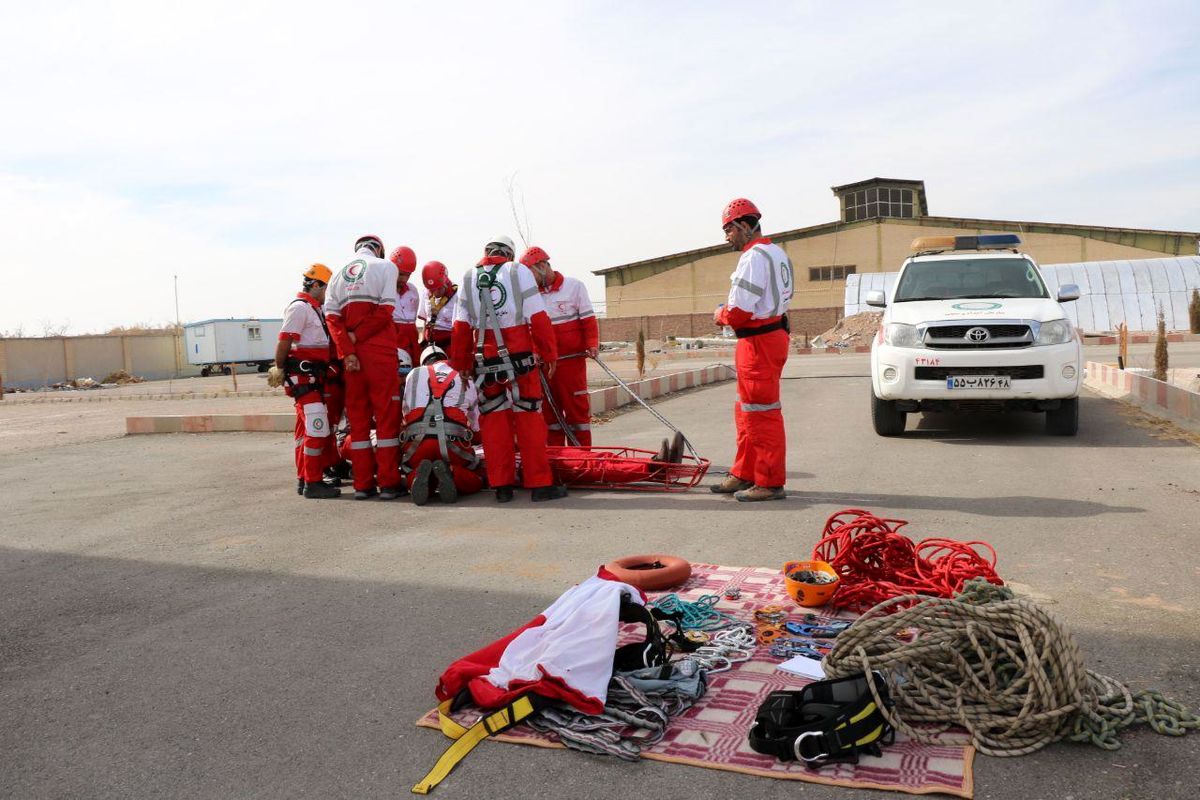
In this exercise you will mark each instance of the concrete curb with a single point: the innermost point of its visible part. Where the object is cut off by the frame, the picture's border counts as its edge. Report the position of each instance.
(1160, 399)
(1143, 338)
(75, 397)
(602, 400)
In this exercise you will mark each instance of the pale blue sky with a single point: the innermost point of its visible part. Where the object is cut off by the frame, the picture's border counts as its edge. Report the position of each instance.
(234, 143)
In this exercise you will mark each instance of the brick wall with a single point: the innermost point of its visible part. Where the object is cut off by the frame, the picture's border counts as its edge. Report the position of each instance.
(625, 329)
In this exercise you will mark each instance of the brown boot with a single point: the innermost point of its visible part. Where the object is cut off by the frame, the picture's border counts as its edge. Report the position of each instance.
(757, 493)
(730, 485)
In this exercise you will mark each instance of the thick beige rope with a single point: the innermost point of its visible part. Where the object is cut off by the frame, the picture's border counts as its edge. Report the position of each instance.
(999, 666)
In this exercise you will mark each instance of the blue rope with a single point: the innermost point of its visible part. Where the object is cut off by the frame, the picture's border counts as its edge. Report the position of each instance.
(698, 616)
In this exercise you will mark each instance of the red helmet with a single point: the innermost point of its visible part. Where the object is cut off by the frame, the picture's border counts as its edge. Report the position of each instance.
(533, 255)
(404, 258)
(739, 208)
(372, 241)
(435, 276)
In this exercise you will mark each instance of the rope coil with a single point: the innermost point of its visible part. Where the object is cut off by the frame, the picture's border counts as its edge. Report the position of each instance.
(999, 666)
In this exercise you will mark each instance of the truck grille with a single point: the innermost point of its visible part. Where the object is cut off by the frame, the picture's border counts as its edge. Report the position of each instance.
(954, 337)
(1031, 372)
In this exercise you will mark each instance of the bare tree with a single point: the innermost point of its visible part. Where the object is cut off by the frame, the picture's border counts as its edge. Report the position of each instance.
(14, 333)
(51, 329)
(520, 217)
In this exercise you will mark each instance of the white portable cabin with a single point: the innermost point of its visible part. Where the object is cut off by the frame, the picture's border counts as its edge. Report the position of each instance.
(231, 341)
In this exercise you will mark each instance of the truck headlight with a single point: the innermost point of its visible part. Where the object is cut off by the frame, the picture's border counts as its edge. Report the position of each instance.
(1056, 331)
(897, 334)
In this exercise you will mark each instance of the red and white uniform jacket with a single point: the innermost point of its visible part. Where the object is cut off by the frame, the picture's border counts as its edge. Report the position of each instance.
(361, 299)
(460, 403)
(565, 653)
(762, 285)
(571, 313)
(520, 313)
(404, 316)
(443, 321)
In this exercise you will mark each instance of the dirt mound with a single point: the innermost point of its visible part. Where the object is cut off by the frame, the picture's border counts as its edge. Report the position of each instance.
(854, 331)
(122, 377)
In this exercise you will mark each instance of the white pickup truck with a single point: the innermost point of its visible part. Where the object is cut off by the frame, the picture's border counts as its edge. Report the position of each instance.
(970, 326)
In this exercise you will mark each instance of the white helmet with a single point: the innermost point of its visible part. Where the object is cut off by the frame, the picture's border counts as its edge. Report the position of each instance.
(405, 358)
(432, 353)
(502, 241)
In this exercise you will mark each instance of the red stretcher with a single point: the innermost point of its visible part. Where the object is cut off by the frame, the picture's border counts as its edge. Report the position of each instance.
(627, 468)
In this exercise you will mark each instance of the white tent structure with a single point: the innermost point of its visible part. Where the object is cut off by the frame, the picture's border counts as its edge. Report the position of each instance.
(1110, 292)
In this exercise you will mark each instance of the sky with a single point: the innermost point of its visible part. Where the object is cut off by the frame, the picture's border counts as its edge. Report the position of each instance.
(231, 144)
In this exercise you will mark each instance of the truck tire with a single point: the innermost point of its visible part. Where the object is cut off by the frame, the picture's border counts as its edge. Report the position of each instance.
(226, 370)
(263, 366)
(205, 372)
(1064, 420)
(887, 419)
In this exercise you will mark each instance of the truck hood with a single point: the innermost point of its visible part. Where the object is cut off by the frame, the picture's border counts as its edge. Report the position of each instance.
(1034, 308)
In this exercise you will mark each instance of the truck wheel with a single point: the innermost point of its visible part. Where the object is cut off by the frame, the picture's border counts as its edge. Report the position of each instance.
(1064, 420)
(888, 420)
(263, 366)
(205, 372)
(226, 371)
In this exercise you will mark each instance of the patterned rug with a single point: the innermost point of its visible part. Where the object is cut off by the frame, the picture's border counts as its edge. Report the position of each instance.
(713, 732)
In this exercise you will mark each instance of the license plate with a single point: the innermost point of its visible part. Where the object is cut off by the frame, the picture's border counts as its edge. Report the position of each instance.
(978, 382)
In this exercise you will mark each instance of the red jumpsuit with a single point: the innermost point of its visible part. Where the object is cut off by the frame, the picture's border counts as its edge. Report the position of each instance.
(310, 384)
(361, 299)
(405, 318)
(460, 405)
(762, 286)
(439, 325)
(575, 330)
(510, 412)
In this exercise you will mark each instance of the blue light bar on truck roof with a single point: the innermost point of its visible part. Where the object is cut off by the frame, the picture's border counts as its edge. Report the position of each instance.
(989, 241)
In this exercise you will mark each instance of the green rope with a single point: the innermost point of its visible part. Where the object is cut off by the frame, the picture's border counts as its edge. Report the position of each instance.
(698, 616)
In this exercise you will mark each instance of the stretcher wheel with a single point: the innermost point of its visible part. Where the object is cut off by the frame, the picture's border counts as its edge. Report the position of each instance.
(650, 572)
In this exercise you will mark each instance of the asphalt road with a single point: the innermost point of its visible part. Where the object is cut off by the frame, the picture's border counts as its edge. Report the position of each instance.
(175, 622)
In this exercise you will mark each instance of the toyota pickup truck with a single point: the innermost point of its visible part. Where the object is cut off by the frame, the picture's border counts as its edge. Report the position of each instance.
(971, 326)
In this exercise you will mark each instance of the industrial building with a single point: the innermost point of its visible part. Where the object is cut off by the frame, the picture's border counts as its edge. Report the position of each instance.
(676, 294)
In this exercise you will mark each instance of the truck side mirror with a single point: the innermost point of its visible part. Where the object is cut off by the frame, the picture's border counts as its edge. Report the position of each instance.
(1068, 292)
(875, 298)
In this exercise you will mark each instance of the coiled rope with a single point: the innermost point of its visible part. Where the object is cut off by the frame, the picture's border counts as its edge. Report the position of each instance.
(701, 615)
(875, 562)
(999, 666)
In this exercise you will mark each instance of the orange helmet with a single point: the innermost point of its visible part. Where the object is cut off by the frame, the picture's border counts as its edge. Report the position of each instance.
(533, 256)
(737, 209)
(318, 272)
(404, 258)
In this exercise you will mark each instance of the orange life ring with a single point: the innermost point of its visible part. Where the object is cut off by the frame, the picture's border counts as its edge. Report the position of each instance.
(650, 572)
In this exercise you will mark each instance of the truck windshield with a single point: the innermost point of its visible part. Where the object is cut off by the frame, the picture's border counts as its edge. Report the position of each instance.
(962, 278)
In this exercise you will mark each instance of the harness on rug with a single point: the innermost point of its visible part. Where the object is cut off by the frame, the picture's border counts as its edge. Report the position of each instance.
(504, 368)
(451, 436)
(826, 722)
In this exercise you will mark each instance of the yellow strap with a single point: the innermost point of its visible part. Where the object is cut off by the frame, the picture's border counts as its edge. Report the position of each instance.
(467, 738)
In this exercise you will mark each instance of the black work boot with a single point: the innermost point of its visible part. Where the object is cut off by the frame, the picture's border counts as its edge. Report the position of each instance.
(365, 494)
(504, 494)
(321, 491)
(447, 492)
(420, 486)
(392, 492)
(300, 486)
(675, 451)
(543, 493)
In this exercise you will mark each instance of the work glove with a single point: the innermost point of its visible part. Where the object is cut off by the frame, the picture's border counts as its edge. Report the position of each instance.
(275, 377)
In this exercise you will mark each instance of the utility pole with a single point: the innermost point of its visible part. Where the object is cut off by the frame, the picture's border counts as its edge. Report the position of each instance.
(178, 332)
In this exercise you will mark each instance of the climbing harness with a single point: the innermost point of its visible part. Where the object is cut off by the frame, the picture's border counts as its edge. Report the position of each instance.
(452, 437)
(997, 665)
(826, 722)
(504, 368)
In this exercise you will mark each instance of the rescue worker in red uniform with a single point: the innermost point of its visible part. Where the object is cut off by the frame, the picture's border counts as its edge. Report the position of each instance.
(303, 360)
(501, 330)
(405, 313)
(441, 417)
(438, 302)
(577, 336)
(761, 290)
(359, 306)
